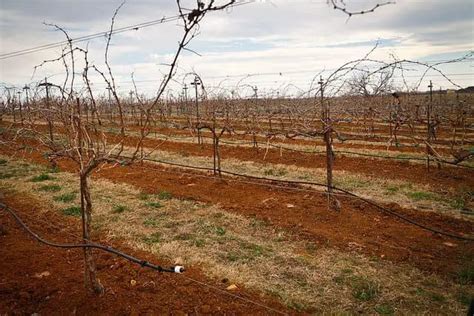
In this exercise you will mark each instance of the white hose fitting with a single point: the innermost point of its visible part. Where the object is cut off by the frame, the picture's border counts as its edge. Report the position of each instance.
(178, 269)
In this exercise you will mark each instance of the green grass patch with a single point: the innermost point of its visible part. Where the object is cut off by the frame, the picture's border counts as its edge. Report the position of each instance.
(220, 231)
(152, 239)
(117, 209)
(50, 188)
(392, 189)
(42, 177)
(384, 309)
(464, 298)
(164, 195)
(72, 211)
(154, 204)
(466, 274)
(6, 175)
(65, 198)
(279, 172)
(422, 196)
(199, 242)
(54, 169)
(143, 196)
(150, 222)
(364, 289)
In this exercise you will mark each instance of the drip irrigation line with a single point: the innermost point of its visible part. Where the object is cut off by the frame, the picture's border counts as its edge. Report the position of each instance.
(143, 263)
(272, 185)
(406, 219)
(353, 195)
(167, 137)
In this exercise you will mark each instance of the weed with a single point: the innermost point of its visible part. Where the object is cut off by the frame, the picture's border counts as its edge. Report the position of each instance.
(458, 203)
(164, 195)
(42, 177)
(54, 169)
(421, 195)
(466, 274)
(464, 298)
(184, 236)
(220, 231)
(50, 188)
(437, 297)
(143, 196)
(364, 289)
(152, 239)
(72, 211)
(3, 162)
(199, 242)
(311, 247)
(150, 222)
(392, 189)
(384, 309)
(297, 306)
(65, 198)
(154, 204)
(6, 175)
(279, 172)
(117, 209)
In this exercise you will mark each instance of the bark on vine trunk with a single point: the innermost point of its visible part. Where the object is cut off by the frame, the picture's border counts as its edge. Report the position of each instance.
(91, 281)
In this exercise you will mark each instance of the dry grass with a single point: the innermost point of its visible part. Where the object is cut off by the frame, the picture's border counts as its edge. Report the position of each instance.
(250, 252)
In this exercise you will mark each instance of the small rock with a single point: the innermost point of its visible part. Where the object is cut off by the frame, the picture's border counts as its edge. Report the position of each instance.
(290, 205)
(449, 244)
(42, 274)
(232, 287)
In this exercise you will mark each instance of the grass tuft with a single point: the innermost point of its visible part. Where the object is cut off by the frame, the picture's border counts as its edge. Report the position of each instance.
(65, 198)
(384, 309)
(164, 195)
(118, 209)
(72, 211)
(42, 177)
(364, 289)
(143, 196)
(466, 275)
(279, 172)
(154, 204)
(3, 162)
(152, 239)
(220, 231)
(421, 195)
(50, 188)
(150, 222)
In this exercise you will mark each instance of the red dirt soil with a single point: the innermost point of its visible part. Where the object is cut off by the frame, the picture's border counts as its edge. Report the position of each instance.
(447, 177)
(357, 227)
(62, 292)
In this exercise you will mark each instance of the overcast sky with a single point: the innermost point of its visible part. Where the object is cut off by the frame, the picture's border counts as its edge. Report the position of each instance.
(282, 42)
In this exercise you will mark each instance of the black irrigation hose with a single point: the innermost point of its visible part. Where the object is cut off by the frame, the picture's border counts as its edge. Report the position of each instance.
(143, 263)
(384, 209)
(335, 151)
(404, 218)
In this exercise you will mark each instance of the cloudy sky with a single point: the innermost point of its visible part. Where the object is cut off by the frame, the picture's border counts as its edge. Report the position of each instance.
(272, 44)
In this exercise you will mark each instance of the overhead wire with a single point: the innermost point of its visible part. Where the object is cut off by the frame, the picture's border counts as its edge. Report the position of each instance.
(119, 30)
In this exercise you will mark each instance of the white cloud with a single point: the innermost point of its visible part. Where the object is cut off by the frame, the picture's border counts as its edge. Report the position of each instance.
(286, 37)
